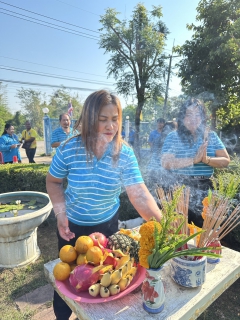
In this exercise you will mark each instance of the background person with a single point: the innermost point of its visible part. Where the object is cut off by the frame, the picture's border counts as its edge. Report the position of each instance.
(30, 135)
(131, 136)
(63, 132)
(154, 165)
(156, 134)
(96, 163)
(190, 155)
(9, 144)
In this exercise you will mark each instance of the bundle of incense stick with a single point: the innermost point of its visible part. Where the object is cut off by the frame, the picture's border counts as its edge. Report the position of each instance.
(218, 222)
(181, 207)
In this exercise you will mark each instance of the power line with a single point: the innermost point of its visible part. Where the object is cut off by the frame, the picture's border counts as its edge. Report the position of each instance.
(75, 32)
(45, 65)
(78, 8)
(48, 85)
(52, 75)
(48, 17)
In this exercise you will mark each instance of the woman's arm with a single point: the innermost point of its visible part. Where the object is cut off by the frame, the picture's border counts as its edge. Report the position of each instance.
(56, 194)
(169, 161)
(143, 201)
(221, 160)
(55, 144)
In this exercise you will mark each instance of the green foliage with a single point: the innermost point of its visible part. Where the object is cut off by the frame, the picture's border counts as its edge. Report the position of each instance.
(59, 101)
(5, 113)
(136, 47)
(226, 184)
(23, 177)
(32, 102)
(130, 111)
(211, 61)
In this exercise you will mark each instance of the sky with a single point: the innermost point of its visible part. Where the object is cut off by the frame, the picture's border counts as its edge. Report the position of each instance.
(73, 52)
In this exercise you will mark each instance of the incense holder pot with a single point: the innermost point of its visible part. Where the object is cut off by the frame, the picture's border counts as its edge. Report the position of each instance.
(188, 273)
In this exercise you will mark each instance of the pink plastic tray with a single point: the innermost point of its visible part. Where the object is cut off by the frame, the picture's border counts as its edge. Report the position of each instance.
(65, 288)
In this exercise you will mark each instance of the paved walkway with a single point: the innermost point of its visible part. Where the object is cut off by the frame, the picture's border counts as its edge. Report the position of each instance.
(39, 158)
(39, 301)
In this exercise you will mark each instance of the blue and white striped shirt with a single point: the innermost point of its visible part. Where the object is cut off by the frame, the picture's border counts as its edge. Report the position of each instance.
(92, 194)
(60, 135)
(174, 145)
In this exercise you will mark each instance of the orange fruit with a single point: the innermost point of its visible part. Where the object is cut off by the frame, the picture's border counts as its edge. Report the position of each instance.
(81, 259)
(83, 243)
(68, 253)
(61, 271)
(94, 255)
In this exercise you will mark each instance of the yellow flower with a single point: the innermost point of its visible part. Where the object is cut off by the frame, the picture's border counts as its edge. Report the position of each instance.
(205, 203)
(194, 229)
(147, 242)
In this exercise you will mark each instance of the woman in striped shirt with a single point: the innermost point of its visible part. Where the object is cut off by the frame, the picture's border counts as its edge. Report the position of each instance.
(96, 163)
(190, 155)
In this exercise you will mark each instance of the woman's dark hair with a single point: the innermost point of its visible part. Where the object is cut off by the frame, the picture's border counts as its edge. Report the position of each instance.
(7, 126)
(184, 134)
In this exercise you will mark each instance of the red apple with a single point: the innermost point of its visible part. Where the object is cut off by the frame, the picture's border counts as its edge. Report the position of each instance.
(99, 239)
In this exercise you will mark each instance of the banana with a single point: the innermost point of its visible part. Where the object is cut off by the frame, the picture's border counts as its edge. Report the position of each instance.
(129, 276)
(122, 261)
(123, 283)
(114, 289)
(124, 270)
(132, 271)
(94, 289)
(104, 292)
(129, 265)
(106, 279)
(116, 276)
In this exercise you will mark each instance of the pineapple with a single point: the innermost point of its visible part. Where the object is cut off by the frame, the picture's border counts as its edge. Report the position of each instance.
(125, 244)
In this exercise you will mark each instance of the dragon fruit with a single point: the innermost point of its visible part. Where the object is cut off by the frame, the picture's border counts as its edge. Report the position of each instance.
(83, 276)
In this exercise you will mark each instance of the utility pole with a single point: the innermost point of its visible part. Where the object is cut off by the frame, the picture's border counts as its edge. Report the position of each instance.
(168, 79)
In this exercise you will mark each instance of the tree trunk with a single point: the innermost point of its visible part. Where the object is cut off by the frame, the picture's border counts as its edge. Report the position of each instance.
(137, 126)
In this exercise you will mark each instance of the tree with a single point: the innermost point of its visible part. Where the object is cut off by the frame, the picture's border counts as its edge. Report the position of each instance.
(32, 102)
(211, 64)
(5, 114)
(59, 101)
(137, 61)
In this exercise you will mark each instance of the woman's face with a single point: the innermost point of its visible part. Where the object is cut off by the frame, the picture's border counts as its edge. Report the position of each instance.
(10, 130)
(108, 123)
(192, 118)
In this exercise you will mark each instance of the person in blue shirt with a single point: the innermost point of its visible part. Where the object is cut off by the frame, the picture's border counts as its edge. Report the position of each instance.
(62, 133)
(190, 155)
(156, 134)
(97, 164)
(9, 144)
(131, 136)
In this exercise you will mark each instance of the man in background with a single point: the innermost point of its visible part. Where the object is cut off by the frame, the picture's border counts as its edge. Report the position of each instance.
(63, 132)
(30, 135)
(156, 134)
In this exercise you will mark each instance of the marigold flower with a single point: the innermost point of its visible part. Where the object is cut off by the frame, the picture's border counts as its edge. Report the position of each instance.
(194, 229)
(147, 241)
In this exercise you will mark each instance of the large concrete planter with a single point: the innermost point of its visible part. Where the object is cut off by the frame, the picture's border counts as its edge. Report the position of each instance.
(18, 235)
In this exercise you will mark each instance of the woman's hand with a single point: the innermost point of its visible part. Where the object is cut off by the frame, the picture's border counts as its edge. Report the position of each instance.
(63, 229)
(14, 146)
(201, 154)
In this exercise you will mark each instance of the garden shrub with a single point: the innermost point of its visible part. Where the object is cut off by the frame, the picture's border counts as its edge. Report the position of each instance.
(23, 177)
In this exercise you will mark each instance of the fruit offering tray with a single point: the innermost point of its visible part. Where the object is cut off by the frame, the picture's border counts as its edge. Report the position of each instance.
(65, 288)
(100, 269)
